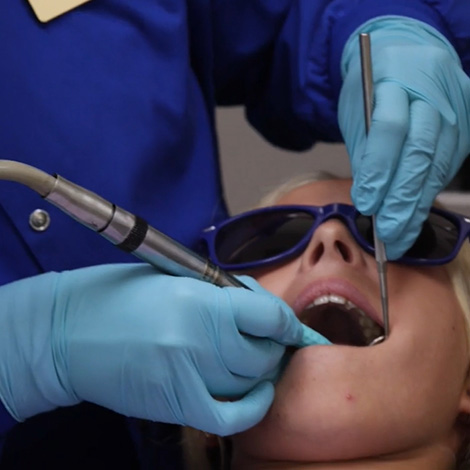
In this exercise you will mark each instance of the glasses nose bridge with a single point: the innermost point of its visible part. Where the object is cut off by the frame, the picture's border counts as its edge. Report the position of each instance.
(336, 242)
(340, 212)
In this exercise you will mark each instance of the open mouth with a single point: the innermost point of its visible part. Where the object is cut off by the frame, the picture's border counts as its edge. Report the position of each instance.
(341, 321)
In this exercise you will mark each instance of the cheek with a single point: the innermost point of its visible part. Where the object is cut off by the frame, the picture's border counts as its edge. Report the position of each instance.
(325, 408)
(433, 347)
(427, 319)
(427, 323)
(277, 280)
(340, 402)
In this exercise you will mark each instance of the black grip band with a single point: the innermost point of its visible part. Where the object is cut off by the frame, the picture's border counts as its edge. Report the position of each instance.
(135, 237)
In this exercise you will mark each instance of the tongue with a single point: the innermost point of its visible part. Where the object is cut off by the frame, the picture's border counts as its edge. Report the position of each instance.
(336, 324)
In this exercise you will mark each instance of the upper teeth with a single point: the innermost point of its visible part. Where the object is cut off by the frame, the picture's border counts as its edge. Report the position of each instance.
(335, 299)
(370, 328)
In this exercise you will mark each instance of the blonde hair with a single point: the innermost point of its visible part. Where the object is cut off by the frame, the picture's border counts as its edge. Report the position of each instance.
(275, 194)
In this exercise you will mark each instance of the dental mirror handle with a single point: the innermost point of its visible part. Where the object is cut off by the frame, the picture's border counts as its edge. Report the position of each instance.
(368, 94)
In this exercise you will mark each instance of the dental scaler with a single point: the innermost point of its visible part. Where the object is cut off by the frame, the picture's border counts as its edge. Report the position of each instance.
(125, 230)
(380, 256)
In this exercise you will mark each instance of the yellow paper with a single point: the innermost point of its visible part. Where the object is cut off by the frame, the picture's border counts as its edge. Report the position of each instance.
(47, 10)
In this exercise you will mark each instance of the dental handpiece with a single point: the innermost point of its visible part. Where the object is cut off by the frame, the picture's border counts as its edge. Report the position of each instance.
(125, 230)
(380, 255)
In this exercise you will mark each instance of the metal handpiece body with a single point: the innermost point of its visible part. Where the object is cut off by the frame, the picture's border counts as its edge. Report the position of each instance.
(133, 235)
(125, 230)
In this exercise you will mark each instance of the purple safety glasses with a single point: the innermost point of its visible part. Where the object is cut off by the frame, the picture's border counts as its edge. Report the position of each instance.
(270, 235)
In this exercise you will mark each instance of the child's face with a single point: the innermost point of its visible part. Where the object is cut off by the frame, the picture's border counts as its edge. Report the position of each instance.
(346, 402)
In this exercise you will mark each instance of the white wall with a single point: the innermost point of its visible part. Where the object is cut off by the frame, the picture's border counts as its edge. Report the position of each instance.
(251, 166)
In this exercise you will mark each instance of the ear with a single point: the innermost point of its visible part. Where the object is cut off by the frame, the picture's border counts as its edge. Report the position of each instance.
(464, 405)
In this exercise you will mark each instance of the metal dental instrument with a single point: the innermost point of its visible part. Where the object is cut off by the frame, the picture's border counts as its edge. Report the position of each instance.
(125, 230)
(380, 255)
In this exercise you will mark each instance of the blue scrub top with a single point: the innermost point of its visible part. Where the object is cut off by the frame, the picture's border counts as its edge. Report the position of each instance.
(119, 97)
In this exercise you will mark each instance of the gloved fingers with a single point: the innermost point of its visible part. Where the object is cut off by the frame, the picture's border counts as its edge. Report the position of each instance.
(232, 386)
(436, 179)
(230, 417)
(415, 163)
(441, 171)
(245, 348)
(267, 316)
(443, 168)
(389, 127)
(311, 338)
(356, 162)
(248, 356)
(253, 357)
(351, 123)
(222, 382)
(252, 353)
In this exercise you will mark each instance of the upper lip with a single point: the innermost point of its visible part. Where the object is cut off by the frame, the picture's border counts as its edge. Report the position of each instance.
(339, 287)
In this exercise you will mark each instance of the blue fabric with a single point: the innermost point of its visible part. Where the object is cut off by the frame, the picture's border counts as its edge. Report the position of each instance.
(119, 97)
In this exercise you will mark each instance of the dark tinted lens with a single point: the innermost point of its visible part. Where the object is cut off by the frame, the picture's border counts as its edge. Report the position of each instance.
(364, 227)
(261, 236)
(437, 239)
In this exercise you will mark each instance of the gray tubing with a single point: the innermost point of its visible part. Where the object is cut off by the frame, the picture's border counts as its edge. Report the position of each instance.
(35, 179)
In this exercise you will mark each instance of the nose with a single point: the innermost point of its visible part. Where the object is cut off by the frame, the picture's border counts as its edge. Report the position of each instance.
(332, 241)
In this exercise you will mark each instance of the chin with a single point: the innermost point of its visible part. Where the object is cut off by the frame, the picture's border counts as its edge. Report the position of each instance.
(318, 414)
(287, 445)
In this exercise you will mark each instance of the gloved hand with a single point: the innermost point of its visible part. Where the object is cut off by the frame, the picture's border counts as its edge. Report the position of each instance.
(144, 344)
(420, 131)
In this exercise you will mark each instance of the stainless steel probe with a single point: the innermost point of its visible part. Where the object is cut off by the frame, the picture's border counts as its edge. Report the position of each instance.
(125, 230)
(380, 255)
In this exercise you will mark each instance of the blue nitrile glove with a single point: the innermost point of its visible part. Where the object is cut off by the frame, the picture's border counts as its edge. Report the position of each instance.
(420, 131)
(144, 344)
